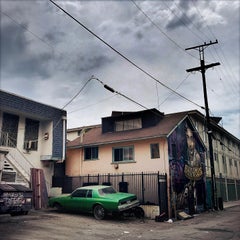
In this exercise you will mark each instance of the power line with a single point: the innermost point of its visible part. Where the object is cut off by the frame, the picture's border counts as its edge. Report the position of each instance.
(114, 91)
(27, 29)
(198, 36)
(123, 56)
(77, 93)
(154, 24)
(90, 105)
(175, 89)
(221, 50)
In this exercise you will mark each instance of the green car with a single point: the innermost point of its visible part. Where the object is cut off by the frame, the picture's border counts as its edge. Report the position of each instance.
(99, 200)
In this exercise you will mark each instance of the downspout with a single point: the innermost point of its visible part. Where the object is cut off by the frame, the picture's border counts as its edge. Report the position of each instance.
(64, 118)
(81, 151)
(169, 178)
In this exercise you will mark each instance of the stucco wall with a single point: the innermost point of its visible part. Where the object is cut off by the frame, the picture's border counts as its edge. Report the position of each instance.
(76, 166)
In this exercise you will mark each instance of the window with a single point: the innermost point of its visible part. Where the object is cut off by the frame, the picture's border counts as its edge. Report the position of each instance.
(107, 190)
(154, 150)
(90, 153)
(236, 166)
(224, 164)
(9, 130)
(80, 193)
(123, 154)
(89, 194)
(31, 134)
(128, 124)
(230, 166)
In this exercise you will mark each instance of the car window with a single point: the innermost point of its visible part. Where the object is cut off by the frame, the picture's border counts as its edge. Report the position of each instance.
(107, 190)
(80, 193)
(89, 194)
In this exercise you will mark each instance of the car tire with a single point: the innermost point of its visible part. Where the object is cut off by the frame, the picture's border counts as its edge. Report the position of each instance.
(99, 212)
(139, 212)
(58, 206)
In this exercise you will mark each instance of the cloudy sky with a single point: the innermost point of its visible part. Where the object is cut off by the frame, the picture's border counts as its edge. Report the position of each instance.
(49, 57)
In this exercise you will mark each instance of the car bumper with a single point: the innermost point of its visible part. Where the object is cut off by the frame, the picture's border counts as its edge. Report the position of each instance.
(127, 206)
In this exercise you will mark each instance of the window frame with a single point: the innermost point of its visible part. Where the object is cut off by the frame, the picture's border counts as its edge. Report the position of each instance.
(124, 159)
(155, 149)
(127, 124)
(93, 155)
(31, 134)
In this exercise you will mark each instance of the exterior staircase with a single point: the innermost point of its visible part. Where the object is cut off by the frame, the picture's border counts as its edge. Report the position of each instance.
(14, 160)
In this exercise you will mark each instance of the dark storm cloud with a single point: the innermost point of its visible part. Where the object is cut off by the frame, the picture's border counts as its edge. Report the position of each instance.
(139, 35)
(15, 57)
(181, 16)
(89, 63)
(54, 37)
(177, 22)
(184, 4)
(13, 40)
(65, 55)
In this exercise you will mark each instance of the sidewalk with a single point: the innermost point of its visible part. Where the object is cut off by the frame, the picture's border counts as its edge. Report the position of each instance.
(231, 204)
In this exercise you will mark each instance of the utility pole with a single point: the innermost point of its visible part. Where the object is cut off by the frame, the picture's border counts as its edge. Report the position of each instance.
(203, 69)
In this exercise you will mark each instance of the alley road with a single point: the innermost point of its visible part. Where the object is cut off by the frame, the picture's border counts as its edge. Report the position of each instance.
(51, 225)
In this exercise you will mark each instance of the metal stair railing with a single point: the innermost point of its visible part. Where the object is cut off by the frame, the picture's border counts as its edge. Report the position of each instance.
(16, 158)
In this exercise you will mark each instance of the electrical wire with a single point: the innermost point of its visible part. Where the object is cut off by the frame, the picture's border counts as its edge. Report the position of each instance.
(114, 91)
(165, 34)
(232, 83)
(175, 89)
(181, 20)
(77, 93)
(27, 29)
(90, 105)
(123, 56)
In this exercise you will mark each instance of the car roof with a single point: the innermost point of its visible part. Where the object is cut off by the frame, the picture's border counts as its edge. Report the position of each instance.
(96, 187)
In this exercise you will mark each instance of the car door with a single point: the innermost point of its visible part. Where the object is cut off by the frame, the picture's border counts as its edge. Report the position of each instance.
(81, 200)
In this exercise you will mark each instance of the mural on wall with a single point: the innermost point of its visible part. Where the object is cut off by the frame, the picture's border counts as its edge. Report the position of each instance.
(186, 156)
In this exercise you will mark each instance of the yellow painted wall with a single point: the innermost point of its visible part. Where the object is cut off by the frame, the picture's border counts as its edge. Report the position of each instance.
(73, 162)
(76, 166)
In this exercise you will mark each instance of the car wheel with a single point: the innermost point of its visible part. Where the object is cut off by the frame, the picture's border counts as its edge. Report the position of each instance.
(58, 206)
(99, 212)
(13, 214)
(139, 212)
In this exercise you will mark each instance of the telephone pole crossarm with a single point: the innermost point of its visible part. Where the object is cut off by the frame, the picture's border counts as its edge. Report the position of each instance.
(201, 46)
(205, 67)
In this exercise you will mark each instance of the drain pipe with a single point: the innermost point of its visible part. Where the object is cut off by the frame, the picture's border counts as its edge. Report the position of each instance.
(64, 118)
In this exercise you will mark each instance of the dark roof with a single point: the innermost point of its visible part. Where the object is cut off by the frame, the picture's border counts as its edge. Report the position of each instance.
(94, 136)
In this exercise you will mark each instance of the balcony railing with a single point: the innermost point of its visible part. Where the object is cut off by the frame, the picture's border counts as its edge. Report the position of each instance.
(6, 140)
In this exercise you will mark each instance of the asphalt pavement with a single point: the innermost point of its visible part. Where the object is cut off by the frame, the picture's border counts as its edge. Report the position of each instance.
(231, 204)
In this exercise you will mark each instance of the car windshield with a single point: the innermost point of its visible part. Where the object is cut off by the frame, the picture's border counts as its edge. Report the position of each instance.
(107, 190)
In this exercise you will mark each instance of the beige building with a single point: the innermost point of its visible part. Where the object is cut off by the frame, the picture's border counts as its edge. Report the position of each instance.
(150, 141)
